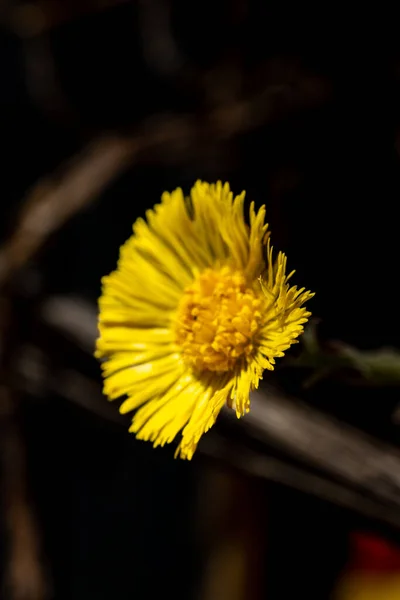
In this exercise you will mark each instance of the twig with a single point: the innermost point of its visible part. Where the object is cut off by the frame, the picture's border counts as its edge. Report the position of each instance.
(55, 200)
(341, 451)
(37, 374)
(338, 463)
(299, 478)
(24, 576)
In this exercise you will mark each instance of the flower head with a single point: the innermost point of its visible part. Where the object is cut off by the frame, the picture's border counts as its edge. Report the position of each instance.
(195, 312)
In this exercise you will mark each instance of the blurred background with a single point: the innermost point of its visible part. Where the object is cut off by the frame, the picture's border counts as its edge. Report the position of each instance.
(104, 104)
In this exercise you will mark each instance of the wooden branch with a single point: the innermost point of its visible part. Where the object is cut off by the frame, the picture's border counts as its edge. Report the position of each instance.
(72, 317)
(341, 451)
(318, 455)
(25, 574)
(261, 465)
(37, 374)
(55, 200)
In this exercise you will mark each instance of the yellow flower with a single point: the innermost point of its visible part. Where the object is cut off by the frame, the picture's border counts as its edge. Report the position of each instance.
(194, 313)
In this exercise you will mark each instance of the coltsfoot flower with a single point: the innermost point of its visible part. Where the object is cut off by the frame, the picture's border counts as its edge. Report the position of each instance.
(197, 309)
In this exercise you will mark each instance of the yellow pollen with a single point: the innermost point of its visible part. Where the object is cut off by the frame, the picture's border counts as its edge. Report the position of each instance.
(218, 319)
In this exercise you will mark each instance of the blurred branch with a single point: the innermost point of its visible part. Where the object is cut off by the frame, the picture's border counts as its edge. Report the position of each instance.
(319, 455)
(334, 448)
(72, 317)
(38, 375)
(55, 200)
(380, 367)
(269, 468)
(24, 575)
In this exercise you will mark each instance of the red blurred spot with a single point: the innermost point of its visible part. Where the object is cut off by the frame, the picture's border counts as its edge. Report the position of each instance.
(373, 554)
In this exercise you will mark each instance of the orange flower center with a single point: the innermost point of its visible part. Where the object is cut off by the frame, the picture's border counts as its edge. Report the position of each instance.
(218, 319)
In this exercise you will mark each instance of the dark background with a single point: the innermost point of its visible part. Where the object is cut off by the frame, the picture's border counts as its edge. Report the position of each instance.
(119, 519)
